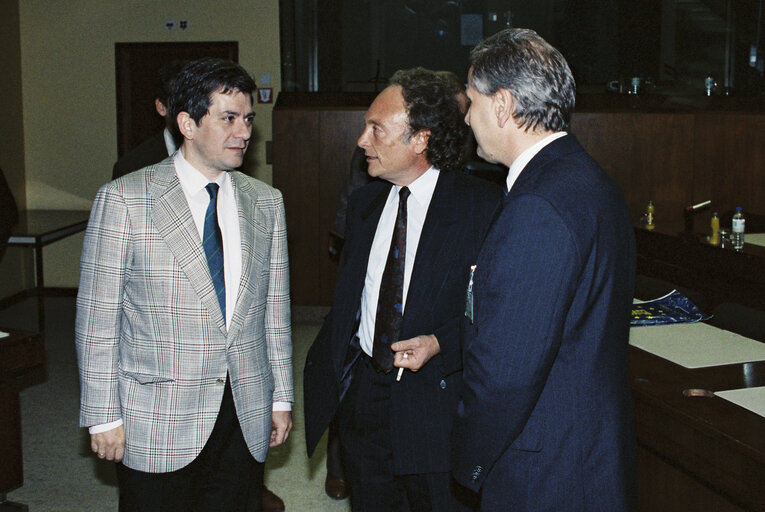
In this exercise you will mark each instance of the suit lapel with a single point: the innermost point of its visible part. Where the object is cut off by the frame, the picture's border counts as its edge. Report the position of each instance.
(432, 261)
(252, 229)
(171, 216)
(354, 271)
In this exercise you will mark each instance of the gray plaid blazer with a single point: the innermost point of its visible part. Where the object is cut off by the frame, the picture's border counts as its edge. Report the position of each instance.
(152, 345)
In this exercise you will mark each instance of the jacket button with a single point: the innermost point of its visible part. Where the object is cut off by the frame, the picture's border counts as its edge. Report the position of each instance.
(220, 380)
(442, 384)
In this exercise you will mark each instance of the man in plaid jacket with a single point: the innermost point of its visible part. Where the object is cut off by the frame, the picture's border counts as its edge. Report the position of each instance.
(185, 380)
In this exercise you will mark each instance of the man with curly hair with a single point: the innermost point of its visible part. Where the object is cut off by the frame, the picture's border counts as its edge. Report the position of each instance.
(387, 361)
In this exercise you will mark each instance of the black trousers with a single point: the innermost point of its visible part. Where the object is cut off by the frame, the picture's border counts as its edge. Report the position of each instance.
(367, 453)
(223, 478)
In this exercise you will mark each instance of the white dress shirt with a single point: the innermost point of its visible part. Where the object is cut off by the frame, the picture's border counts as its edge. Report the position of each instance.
(524, 158)
(193, 184)
(169, 142)
(417, 208)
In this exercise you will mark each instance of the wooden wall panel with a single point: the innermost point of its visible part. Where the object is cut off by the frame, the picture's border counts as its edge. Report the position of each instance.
(339, 132)
(673, 158)
(730, 161)
(296, 174)
(648, 154)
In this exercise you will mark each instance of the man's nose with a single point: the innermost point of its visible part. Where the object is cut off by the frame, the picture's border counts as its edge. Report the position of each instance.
(243, 130)
(363, 139)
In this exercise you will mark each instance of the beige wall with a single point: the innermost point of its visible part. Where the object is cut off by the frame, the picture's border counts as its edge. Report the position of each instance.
(68, 85)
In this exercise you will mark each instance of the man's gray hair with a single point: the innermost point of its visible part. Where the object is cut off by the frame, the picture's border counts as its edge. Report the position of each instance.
(535, 73)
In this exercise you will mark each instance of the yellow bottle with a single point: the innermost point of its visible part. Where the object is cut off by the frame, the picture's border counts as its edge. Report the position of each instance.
(649, 209)
(714, 238)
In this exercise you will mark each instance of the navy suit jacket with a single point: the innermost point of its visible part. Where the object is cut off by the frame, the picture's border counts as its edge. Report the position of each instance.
(424, 402)
(546, 419)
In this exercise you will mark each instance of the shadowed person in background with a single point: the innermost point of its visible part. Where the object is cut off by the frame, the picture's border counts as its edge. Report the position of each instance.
(545, 420)
(399, 295)
(183, 316)
(157, 147)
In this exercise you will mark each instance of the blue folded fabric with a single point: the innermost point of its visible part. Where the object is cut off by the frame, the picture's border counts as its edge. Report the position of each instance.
(673, 308)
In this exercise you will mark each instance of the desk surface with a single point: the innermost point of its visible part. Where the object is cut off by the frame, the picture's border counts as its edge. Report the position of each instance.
(40, 227)
(721, 444)
(20, 352)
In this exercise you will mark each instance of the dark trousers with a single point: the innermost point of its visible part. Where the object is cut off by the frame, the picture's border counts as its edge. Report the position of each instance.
(367, 453)
(334, 463)
(224, 477)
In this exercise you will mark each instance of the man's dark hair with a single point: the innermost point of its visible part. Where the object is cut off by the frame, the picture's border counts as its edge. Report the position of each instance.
(535, 73)
(432, 105)
(163, 82)
(195, 84)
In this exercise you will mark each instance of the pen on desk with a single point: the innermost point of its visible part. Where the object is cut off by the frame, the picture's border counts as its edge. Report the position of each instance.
(401, 370)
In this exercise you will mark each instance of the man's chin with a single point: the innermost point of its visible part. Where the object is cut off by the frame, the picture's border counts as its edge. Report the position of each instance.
(481, 153)
(235, 163)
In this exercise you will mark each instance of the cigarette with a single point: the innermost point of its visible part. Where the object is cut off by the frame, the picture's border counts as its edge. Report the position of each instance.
(401, 370)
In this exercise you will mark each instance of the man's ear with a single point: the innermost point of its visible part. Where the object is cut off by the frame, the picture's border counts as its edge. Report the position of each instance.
(503, 107)
(420, 141)
(186, 125)
(160, 107)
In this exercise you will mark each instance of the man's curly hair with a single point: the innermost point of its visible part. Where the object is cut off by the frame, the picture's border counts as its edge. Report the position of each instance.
(432, 105)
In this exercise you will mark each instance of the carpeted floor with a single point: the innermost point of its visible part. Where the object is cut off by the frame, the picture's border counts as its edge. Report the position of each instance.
(62, 475)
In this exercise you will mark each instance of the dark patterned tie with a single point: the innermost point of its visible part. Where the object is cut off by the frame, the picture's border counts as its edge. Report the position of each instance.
(390, 302)
(212, 242)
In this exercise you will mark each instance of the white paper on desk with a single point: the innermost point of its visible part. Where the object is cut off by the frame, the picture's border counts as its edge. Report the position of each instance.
(752, 399)
(696, 345)
(4, 334)
(755, 238)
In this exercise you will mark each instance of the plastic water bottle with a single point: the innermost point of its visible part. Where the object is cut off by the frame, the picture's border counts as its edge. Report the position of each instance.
(737, 231)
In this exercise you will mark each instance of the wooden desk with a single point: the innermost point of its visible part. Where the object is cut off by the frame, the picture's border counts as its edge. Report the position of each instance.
(720, 275)
(696, 452)
(20, 353)
(38, 228)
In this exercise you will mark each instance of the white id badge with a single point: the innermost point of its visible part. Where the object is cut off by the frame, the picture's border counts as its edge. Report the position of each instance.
(469, 296)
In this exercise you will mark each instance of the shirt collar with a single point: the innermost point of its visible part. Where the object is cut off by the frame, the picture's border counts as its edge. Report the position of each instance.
(191, 179)
(169, 142)
(422, 188)
(524, 158)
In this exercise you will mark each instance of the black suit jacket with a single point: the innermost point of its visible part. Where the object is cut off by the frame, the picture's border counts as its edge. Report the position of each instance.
(151, 151)
(424, 402)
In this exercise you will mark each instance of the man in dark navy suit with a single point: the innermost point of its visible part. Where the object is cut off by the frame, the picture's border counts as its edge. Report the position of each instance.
(545, 421)
(395, 433)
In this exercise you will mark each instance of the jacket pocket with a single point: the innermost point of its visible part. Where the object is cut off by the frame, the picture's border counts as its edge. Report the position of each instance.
(145, 378)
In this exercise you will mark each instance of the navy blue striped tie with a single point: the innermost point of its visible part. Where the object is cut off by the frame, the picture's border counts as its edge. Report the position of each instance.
(212, 242)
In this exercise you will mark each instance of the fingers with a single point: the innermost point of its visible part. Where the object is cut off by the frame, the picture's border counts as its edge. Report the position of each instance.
(406, 345)
(419, 351)
(281, 422)
(407, 359)
(109, 445)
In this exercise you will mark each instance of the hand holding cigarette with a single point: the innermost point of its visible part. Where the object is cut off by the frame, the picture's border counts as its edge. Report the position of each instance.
(414, 353)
